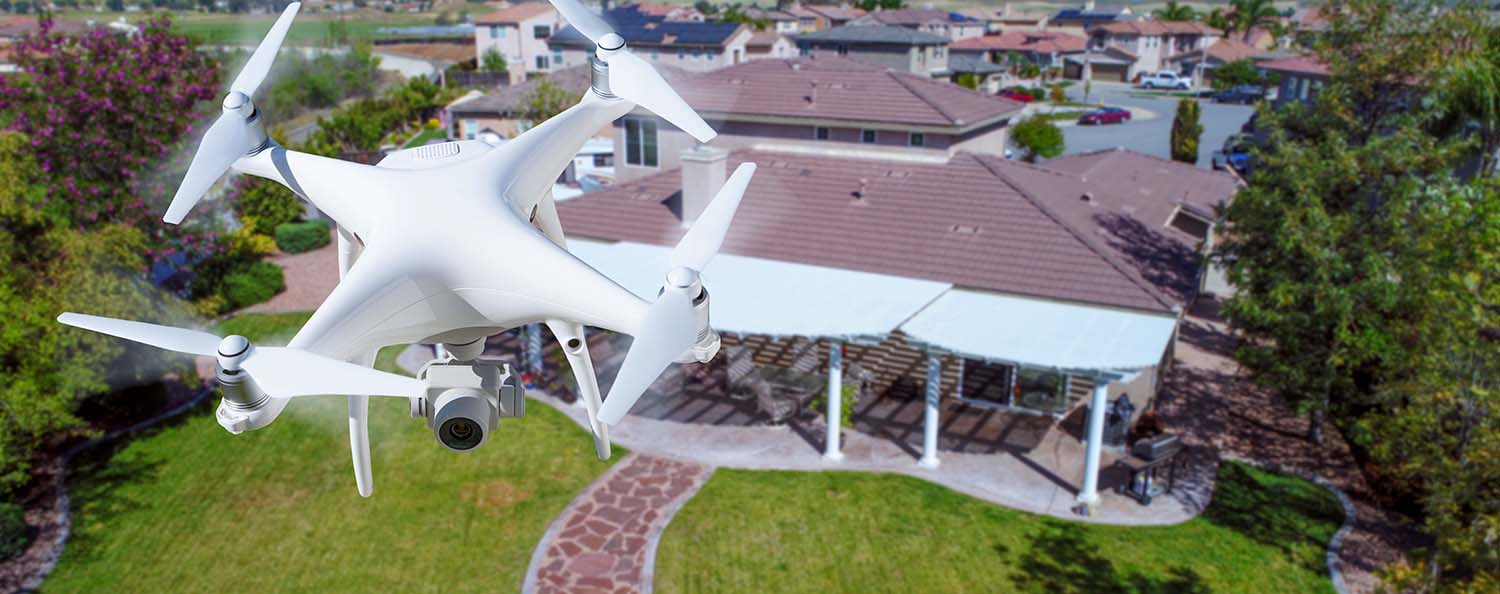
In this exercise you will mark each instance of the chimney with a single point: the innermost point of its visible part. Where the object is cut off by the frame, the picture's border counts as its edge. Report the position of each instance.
(1088, 6)
(702, 176)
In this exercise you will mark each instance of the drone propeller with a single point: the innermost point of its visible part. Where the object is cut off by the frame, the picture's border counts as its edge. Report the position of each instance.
(282, 372)
(630, 77)
(670, 326)
(233, 135)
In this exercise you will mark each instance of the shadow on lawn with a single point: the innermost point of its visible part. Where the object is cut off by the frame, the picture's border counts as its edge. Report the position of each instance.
(1060, 561)
(1276, 511)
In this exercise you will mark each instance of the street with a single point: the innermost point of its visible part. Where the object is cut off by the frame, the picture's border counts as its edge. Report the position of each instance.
(1151, 136)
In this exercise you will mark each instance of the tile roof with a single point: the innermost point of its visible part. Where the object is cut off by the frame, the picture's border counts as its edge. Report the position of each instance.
(1154, 178)
(1158, 28)
(1002, 15)
(974, 63)
(1225, 50)
(1024, 41)
(763, 39)
(834, 88)
(639, 28)
(515, 14)
(510, 101)
(446, 52)
(836, 13)
(1297, 65)
(960, 222)
(919, 16)
(879, 34)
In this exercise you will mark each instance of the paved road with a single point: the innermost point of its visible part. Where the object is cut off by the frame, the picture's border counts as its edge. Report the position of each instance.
(1151, 136)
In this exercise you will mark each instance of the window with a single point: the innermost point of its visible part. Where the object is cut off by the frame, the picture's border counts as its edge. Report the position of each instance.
(820, 133)
(1190, 224)
(843, 49)
(697, 53)
(604, 160)
(541, 31)
(804, 51)
(655, 54)
(497, 32)
(1040, 390)
(557, 57)
(471, 129)
(541, 62)
(681, 53)
(917, 139)
(867, 136)
(640, 142)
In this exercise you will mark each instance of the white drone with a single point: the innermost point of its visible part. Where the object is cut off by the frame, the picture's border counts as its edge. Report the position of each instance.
(454, 243)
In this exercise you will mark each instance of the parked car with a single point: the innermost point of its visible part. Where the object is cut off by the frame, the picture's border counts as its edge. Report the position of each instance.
(1245, 94)
(1235, 154)
(1015, 95)
(1164, 80)
(1105, 115)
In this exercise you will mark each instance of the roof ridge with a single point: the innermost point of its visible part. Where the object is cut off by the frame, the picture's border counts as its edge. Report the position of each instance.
(920, 94)
(1087, 240)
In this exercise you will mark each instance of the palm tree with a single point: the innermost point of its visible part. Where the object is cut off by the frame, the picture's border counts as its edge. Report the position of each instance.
(1218, 20)
(1176, 12)
(1251, 13)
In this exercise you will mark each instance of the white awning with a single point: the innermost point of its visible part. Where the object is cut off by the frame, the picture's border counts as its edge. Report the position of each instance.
(1046, 334)
(759, 296)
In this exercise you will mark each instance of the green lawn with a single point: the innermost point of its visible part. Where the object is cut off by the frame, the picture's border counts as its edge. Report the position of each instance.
(425, 136)
(308, 29)
(760, 531)
(190, 508)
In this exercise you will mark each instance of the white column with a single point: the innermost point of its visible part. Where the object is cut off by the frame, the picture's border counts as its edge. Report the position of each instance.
(1088, 495)
(930, 420)
(831, 449)
(534, 346)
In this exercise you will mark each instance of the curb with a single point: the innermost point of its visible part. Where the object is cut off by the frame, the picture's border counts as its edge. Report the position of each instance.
(64, 506)
(1335, 544)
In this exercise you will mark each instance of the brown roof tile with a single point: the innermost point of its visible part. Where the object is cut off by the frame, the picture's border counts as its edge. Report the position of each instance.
(1296, 64)
(839, 89)
(957, 222)
(1152, 27)
(1024, 41)
(1153, 180)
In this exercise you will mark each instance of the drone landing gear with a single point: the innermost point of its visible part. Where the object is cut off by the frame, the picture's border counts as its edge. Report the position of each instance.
(575, 347)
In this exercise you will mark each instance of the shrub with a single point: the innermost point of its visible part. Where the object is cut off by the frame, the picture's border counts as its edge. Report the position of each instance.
(1057, 95)
(1186, 129)
(295, 238)
(1038, 138)
(256, 283)
(12, 530)
(263, 205)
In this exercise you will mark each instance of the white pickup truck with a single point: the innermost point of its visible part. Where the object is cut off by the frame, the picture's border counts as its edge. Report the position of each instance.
(1164, 80)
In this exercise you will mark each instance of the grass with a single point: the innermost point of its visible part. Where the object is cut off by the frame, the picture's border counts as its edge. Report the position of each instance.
(190, 508)
(758, 531)
(245, 29)
(425, 136)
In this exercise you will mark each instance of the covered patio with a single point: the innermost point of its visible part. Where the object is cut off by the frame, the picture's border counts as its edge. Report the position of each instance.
(1026, 378)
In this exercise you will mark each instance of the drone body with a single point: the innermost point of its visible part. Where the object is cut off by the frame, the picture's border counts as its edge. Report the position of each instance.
(449, 244)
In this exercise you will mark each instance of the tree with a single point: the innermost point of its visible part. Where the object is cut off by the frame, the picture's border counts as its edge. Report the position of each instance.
(873, 5)
(1186, 129)
(1468, 92)
(262, 204)
(1248, 14)
(1176, 12)
(102, 108)
(1237, 73)
(968, 80)
(494, 62)
(1218, 20)
(547, 100)
(1038, 138)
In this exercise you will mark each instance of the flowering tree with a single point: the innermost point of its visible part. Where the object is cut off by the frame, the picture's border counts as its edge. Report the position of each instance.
(100, 108)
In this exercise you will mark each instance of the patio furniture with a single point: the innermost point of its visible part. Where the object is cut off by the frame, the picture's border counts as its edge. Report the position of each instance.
(1147, 459)
(779, 392)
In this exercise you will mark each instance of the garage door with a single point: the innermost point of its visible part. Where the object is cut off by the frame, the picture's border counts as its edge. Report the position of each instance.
(1110, 72)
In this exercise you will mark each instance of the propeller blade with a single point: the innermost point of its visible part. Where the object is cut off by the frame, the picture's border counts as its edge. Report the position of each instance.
(668, 329)
(259, 64)
(225, 142)
(706, 236)
(286, 372)
(583, 19)
(633, 79)
(192, 342)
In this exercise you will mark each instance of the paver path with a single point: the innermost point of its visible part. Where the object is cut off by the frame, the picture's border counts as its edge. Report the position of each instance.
(605, 541)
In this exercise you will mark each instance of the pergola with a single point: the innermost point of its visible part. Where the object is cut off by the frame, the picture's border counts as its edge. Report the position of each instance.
(782, 299)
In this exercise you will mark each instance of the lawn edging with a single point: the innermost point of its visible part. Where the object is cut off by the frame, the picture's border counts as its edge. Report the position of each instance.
(60, 484)
(1335, 544)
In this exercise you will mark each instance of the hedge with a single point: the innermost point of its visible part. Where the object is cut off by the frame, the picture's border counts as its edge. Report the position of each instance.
(12, 530)
(295, 238)
(256, 283)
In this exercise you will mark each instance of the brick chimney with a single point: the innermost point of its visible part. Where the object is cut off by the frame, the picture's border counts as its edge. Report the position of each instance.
(703, 173)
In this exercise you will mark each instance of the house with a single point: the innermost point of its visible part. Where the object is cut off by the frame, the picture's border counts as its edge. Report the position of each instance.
(1046, 49)
(1050, 289)
(1200, 64)
(1006, 18)
(821, 104)
(519, 33)
(689, 45)
(1151, 43)
(1079, 21)
(952, 25)
(503, 111)
(986, 76)
(900, 48)
(770, 44)
(782, 22)
(1302, 77)
(830, 15)
(671, 12)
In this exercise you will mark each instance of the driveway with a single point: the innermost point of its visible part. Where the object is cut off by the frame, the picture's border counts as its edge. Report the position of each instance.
(1151, 136)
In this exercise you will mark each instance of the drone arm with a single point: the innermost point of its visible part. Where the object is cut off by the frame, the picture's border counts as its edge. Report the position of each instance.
(576, 347)
(532, 161)
(546, 218)
(347, 192)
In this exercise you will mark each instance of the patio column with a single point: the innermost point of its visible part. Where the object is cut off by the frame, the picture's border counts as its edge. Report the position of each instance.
(930, 419)
(1088, 495)
(831, 448)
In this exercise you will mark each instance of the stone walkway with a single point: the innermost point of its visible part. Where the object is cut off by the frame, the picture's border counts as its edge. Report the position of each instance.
(310, 278)
(605, 541)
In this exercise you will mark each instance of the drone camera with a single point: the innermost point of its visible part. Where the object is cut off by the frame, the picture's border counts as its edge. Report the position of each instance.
(465, 400)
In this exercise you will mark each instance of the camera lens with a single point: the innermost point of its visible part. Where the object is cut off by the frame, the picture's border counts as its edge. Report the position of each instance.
(460, 433)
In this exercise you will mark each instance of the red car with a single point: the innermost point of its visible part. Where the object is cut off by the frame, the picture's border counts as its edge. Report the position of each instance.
(1015, 95)
(1105, 115)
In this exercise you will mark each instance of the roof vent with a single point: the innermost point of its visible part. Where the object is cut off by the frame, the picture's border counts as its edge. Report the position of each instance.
(897, 173)
(859, 194)
(1087, 197)
(965, 229)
